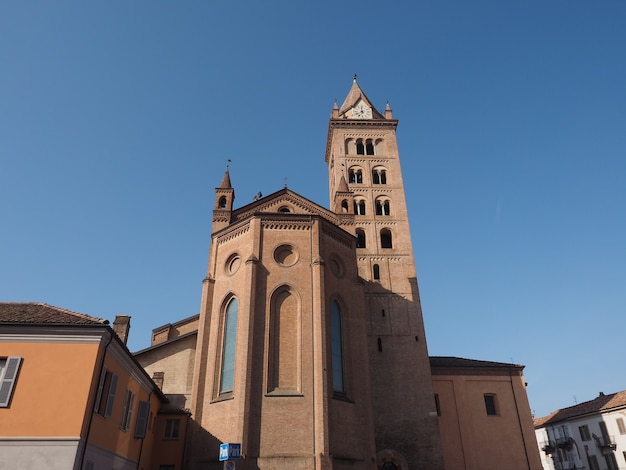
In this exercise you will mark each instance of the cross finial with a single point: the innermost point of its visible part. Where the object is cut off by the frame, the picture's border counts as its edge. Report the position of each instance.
(286, 182)
(228, 164)
(355, 78)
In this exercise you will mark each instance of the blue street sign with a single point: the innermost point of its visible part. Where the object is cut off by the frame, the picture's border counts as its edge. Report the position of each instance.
(230, 451)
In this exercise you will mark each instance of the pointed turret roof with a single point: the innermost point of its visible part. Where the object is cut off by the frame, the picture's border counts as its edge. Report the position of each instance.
(343, 185)
(225, 184)
(354, 95)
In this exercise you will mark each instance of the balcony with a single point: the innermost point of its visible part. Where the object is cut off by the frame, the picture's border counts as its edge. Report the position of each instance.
(565, 443)
(606, 444)
(548, 447)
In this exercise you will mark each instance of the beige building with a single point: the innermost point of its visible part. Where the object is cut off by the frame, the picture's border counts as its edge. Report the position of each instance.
(310, 349)
(484, 418)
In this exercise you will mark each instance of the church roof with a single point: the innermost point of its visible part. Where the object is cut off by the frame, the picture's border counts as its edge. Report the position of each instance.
(450, 361)
(601, 403)
(40, 313)
(354, 95)
(275, 202)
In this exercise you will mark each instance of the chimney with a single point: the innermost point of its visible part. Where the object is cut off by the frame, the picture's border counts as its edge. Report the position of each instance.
(121, 326)
(158, 377)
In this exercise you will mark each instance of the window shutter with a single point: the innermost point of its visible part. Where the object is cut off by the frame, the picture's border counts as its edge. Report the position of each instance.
(8, 379)
(111, 397)
(142, 419)
(100, 387)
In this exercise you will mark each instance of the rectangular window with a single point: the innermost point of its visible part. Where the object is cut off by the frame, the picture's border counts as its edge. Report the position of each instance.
(593, 462)
(143, 414)
(611, 462)
(105, 398)
(620, 426)
(490, 405)
(172, 427)
(127, 411)
(584, 433)
(9, 368)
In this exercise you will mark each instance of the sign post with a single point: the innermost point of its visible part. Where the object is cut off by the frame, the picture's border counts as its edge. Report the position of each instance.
(229, 453)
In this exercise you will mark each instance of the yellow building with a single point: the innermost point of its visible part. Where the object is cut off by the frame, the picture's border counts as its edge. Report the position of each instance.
(71, 395)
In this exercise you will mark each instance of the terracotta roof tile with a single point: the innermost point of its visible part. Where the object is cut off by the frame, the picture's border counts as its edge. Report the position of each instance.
(600, 403)
(38, 313)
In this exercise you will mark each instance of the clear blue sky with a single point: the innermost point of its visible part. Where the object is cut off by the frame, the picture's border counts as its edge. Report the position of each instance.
(117, 119)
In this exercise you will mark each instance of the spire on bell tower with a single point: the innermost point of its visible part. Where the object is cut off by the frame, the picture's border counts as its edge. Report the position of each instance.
(224, 199)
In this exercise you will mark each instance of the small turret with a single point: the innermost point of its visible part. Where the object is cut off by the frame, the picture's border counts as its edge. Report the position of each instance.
(224, 199)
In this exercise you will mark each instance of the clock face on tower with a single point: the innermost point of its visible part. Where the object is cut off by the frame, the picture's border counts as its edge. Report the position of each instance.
(361, 111)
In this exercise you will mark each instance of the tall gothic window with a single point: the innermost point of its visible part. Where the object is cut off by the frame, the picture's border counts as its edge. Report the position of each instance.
(336, 347)
(284, 342)
(369, 147)
(376, 272)
(229, 343)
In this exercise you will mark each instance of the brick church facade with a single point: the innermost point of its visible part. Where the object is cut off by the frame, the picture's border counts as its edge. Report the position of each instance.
(310, 348)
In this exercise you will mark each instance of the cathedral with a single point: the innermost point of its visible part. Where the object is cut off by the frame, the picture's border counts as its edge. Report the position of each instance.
(309, 349)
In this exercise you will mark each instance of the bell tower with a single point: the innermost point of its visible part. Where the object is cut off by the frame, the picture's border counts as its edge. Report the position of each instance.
(367, 193)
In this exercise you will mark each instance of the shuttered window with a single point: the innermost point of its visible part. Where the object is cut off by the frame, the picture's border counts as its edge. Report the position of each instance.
(127, 411)
(110, 399)
(9, 367)
(142, 419)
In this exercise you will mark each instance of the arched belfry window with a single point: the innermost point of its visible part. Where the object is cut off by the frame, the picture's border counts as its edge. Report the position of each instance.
(222, 203)
(359, 207)
(382, 206)
(360, 148)
(229, 344)
(379, 175)
(350, 147)
(355, 175)
(360, 238)
(369, 147)
(336, 335)
(385, 238)
(344, 205)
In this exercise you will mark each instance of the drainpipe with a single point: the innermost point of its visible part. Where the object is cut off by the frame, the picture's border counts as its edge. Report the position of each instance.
(519, 420)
